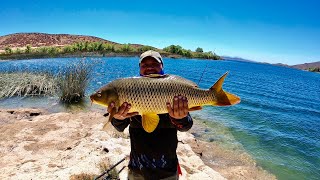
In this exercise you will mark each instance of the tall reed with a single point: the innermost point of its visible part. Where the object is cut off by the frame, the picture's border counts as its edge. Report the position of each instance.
(73, 81)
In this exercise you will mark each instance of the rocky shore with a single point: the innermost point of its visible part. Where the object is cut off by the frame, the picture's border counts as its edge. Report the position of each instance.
(36, 144)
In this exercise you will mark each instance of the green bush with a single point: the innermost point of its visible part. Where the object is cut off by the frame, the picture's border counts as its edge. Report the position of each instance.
(28, 49)
(125, 48)
(108, 47)
(68, 49)
(18, 51)
(314, 69)
(8, 50)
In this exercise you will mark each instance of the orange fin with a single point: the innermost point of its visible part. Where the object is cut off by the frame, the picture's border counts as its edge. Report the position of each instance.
(223, 98)
(218, 85)
(150, 122)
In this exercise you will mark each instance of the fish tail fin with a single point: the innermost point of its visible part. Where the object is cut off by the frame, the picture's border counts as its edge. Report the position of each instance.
(223, 98)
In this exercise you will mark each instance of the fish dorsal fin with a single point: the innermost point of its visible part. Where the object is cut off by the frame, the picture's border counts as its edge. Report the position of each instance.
(218, 85)
(150, 122)
(156, 75)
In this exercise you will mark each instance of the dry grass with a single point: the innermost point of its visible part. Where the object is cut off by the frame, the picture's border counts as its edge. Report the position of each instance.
(26, 84)
(82, 176)
(103, 166)
(69, 84)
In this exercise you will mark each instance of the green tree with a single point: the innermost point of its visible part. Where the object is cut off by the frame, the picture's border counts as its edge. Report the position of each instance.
(80, 46)
(18, 51)
(199, 49)
(8, 50)
(125, 48)
(98, 46)
(186, 53)
(314, 69)
(145, 48)
(53, 50)
(43, 50)
(90, 47)
(175, 49)
(68, 49)
(108, 47)
(86, 46)
(28, 49)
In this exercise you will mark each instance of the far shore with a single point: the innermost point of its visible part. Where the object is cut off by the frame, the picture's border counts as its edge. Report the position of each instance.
(85, 54)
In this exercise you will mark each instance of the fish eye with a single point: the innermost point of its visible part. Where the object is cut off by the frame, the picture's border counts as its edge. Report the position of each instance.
(99, 95)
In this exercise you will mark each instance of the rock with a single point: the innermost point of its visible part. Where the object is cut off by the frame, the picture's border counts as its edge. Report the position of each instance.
(70, 145)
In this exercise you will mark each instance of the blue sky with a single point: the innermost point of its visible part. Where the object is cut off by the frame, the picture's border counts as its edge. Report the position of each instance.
(265, 31)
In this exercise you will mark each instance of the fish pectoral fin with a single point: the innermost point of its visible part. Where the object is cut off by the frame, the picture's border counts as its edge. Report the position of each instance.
(150, 122)
(111, 114)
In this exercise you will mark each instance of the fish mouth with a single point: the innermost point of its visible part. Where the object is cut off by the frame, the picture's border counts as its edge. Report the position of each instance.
(91, 99)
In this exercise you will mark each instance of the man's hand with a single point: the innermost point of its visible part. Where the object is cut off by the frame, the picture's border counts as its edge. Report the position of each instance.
(179, 109)
(122, 111)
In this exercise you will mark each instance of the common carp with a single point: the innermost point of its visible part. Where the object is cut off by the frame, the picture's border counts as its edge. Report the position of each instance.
(149, 94)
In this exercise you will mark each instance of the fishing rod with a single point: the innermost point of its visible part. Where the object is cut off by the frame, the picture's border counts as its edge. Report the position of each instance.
(202, 74)
(112, 167)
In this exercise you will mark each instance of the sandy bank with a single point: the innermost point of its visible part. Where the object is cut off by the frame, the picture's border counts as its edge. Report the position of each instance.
(35, 144)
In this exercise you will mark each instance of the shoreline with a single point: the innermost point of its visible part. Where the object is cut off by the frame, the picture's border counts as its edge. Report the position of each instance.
(164, 54)
(38, 144)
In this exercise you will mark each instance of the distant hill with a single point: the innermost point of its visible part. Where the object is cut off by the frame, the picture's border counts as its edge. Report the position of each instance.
(307, 65)
(44, 39)
(237, 59)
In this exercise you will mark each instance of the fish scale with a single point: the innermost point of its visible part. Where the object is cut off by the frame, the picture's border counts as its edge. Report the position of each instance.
(148, 95)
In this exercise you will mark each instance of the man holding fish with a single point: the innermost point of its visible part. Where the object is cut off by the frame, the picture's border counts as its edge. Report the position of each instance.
(144, 104)
(153, 155)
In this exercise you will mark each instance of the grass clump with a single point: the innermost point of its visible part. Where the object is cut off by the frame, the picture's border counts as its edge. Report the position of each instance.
(73, 81)
(82, 176)
(26, 84)
(69, 84)
(103, 166)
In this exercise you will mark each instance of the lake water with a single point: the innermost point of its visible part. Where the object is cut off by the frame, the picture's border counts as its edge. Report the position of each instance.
(277, 121)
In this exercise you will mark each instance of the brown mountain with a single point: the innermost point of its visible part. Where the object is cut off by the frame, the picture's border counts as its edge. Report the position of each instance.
(307, 65)
(43, 39)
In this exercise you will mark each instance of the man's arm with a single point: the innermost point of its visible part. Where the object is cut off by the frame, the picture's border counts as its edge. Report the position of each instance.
(121, 118)
(183, 124)
(120, 125)
(179, 113)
